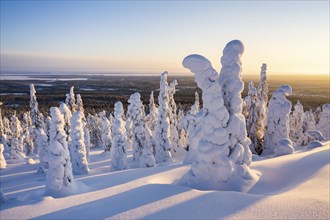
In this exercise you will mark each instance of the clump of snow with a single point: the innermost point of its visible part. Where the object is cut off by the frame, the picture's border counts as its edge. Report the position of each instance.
(30, 161)
(314, 144)
(316, 135)
(284, 147)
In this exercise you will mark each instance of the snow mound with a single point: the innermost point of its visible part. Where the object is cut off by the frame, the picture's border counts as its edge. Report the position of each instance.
(284, 147)
(313, 144)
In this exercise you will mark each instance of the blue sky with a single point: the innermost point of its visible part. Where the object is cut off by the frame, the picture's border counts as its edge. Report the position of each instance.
(153, 36)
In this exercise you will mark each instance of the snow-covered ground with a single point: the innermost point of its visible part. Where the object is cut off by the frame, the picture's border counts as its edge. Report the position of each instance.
(293, 186)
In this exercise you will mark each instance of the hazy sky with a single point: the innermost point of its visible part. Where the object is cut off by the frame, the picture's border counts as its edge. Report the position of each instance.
(154, 36)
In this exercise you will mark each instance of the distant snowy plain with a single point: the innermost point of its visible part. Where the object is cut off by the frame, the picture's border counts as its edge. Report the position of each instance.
(293, 186)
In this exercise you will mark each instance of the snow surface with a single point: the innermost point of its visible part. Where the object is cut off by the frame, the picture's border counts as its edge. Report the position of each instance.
(294, 186)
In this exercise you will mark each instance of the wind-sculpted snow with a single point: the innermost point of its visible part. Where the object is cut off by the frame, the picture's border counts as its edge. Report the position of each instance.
(292, 186)
(221, 143)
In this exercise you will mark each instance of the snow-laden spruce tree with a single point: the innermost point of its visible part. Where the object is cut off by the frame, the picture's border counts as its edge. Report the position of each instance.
(222, 154)
(137, 116)
(42, 143)
(2, 129)
(16, 147)
(6, 135)
(317, 114)
(106, 132)
(94, 124)
(3, 163)
(232, 87)
(252, 115)
(278, 122)
(262, 101)
(67, 114)
(175, 149)
(189, 123)
(151, 118)
(59, 174)
(119, 140)
(80, 104)
(162, 133)
(48, 120)
(78, 149)
(309, 121)
(296, 124)
(324, 122)
(27, 141)
(36, 117)
(147, 158)
(70, 100)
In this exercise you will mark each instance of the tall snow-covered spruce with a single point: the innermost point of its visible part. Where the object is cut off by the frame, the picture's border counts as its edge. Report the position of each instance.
(16, 148)
(106, 132)
(59, 175)
(77, 146)
(258, 141)
(137, 116)
(119, 140)
(162, 134)
(70, 100)
(278, 127)
(222, 155)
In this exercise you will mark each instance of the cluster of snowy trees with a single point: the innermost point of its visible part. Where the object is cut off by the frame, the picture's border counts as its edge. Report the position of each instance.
(270, 121)
(217, 139)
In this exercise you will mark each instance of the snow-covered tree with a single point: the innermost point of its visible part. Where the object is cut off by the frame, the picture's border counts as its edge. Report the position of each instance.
(222, 150)
(16, 147)
(195, 107)
(94, 125)
(252, 115)
(2, 129)
(317, 114)
(42, 143)
(297, 124)
(137, 116)
(6, 137)
(147, 158)
(232, 87)
(261, 105)
(80, 104)
(119, 140)
(3, 163)
(151, 118)
(309, 121)
(175, 148)
(162, 133)
(278, 120)
(70, 100)
(27, 141)
(36, 117)
(106, 132)
(78, 148)
(323, 124)
(59, 174)
(67, 114)
(47, 126)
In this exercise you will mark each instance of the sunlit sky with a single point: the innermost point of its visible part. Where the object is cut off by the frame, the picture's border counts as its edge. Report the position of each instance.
(154, 36)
